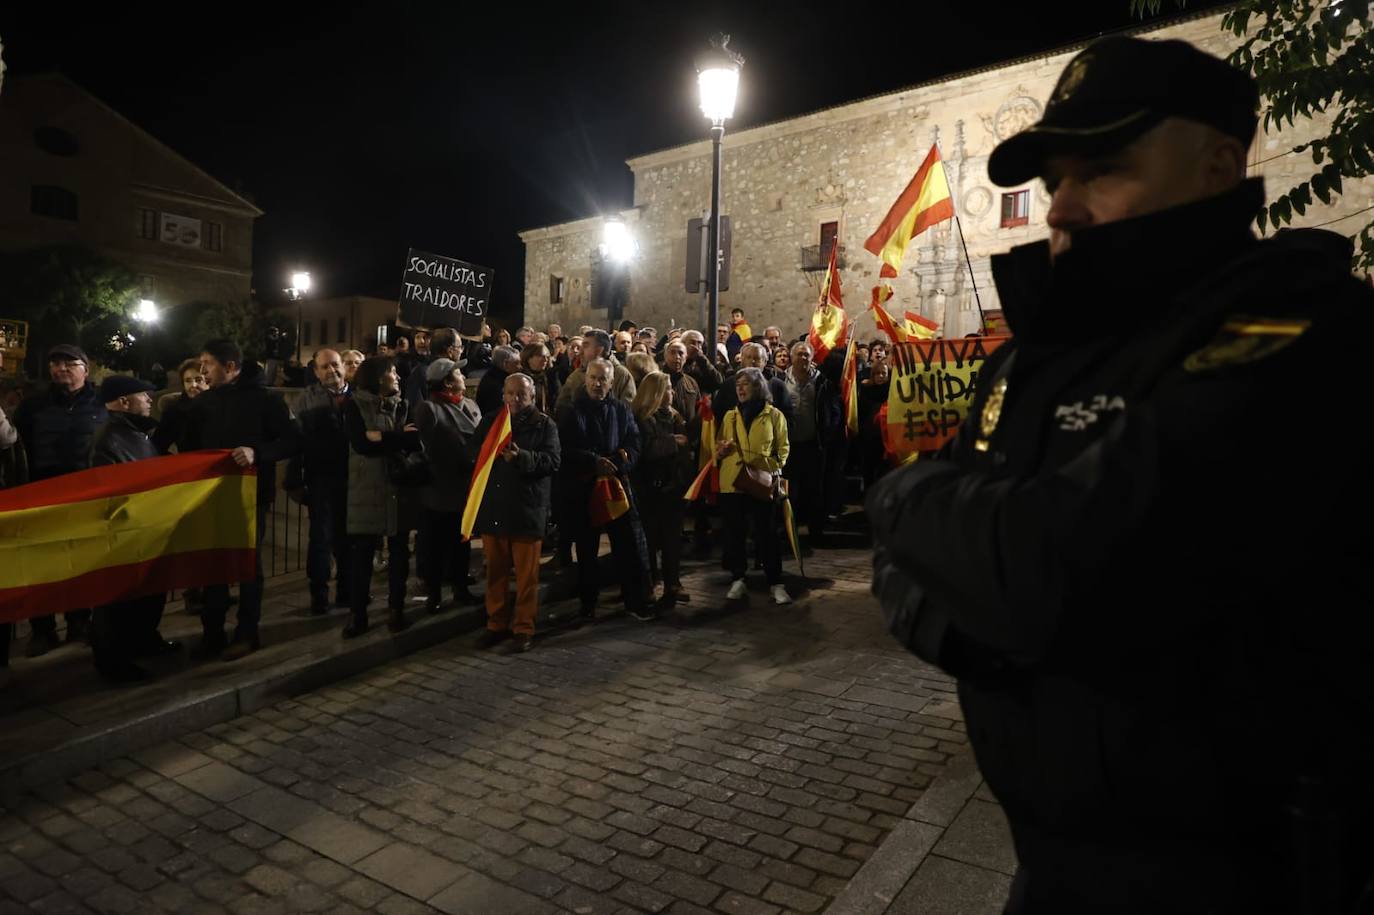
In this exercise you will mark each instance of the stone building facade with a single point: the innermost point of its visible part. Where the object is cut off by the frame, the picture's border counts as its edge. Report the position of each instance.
(789, 185)
(76, 172)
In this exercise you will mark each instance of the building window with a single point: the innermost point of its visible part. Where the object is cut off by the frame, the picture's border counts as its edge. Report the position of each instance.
(305, 333)
(56, 142)
(53, 202)
(147, 224)
(147, 286)
(324, 330)
(343, 330)
(1015, 209)
(829, 232)
(557, 289)
(214, 236)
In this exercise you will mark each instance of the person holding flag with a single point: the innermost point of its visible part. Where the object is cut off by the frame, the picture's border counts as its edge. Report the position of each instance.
(829, 329)
(508, 505)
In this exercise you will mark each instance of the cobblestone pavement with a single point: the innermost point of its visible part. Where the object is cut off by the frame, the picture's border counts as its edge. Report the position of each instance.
(744, 762)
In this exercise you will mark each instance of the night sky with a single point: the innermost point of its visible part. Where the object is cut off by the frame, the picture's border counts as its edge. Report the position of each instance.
(364, 132)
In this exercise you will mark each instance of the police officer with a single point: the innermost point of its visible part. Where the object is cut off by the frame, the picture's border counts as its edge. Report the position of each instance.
(1133, 556)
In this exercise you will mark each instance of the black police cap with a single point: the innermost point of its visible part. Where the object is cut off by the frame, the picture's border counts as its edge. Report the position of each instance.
(1118, 88)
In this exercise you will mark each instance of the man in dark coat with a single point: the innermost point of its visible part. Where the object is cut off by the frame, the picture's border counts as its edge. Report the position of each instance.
(317, 476)
(56, 427)
(1138, 593)
(240, 413)
(490, 390)
(515, 510)
(600, 439)
(125, 630)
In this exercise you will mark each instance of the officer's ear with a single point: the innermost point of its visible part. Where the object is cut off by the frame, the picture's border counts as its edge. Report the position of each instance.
(1222, 161)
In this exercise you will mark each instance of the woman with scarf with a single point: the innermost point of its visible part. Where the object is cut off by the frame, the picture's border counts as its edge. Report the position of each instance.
(447, 421)
(660, 478)
(536, 363)
(378, 437)
(754, 433)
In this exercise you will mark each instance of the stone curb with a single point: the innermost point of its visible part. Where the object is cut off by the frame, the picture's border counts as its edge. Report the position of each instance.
(888, 870)
(92, 746)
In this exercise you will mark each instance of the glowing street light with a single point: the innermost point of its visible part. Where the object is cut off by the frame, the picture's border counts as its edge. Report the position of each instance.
(718, 82)
(300, 284)
(146, 312)
(617, 244)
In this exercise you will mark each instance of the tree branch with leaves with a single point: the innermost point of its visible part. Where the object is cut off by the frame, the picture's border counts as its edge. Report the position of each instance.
(1310, 57)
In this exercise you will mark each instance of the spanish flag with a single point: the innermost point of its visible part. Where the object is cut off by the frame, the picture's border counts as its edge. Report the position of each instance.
(115, 533)
(497, 438)
(925, 202)
(828, 327)
(849, 393)
(884, 320)
(707, 481)
(920, 328)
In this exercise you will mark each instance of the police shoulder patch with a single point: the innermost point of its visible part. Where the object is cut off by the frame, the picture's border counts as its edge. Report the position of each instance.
(1242, 339)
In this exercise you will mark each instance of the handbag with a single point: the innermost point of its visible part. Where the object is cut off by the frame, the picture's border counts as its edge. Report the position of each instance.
(410, 469)
(753, 482)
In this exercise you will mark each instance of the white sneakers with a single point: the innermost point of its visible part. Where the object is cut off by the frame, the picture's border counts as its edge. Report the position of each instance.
(739, 592)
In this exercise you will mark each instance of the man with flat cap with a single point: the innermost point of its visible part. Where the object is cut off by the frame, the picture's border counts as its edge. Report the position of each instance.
(56, 426)
(126, 630)
(1134, 555)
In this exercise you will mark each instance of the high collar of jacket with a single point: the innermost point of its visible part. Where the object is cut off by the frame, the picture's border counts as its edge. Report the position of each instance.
(251, 376)
(1117, 275)
(143, 424)
(376, 401)
(62, 396)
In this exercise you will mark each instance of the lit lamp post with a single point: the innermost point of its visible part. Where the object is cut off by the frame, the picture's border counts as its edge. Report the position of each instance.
(300, 285)
(618, 248)
(146, 314)
(718, 80)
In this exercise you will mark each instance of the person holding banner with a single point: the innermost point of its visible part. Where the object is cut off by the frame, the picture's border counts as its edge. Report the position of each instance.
(239, 412)
(511, 487)
(121, 632)
(600, 449)
(1136, 555)
(752, 443)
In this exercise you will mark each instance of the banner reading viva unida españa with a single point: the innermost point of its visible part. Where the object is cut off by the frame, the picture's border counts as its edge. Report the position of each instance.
(932, 390)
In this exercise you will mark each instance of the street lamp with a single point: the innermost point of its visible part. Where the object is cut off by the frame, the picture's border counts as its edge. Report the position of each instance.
(718, 81)
(300, 285)
(146, 314)
(617, 244)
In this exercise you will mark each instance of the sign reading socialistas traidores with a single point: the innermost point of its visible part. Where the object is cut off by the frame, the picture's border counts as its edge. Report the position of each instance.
(441, 291)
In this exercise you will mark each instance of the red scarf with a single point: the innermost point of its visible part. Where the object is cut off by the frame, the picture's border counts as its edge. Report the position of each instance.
(446, 397)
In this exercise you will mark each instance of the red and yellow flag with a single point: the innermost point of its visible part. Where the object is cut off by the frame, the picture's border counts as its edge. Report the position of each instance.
(497, 438)
(829, 330)
(920, 328)
(925, 202)
(849, 393)
(115, 533)
(708, 478)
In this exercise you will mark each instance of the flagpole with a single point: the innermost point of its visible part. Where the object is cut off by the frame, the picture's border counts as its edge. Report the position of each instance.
(977, 300)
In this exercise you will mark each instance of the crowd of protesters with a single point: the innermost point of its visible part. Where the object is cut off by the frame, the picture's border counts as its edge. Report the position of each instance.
(380, 449)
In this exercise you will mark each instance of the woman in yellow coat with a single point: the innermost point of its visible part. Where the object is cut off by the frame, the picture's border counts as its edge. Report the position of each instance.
(755, 433)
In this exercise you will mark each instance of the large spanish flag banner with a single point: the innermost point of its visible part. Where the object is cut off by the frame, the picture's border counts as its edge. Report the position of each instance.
(497, 438)
(128, 530)
(932, 390)
(925, 202)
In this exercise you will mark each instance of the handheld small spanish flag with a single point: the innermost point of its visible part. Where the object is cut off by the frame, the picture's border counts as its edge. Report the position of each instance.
(608, 500)
(708, 479)
(497, 438)
(920, 328)
(829, 330)
(849, 393)
(110, 534)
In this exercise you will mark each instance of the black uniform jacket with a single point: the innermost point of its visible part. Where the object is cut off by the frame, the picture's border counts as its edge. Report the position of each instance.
(1136, 558)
